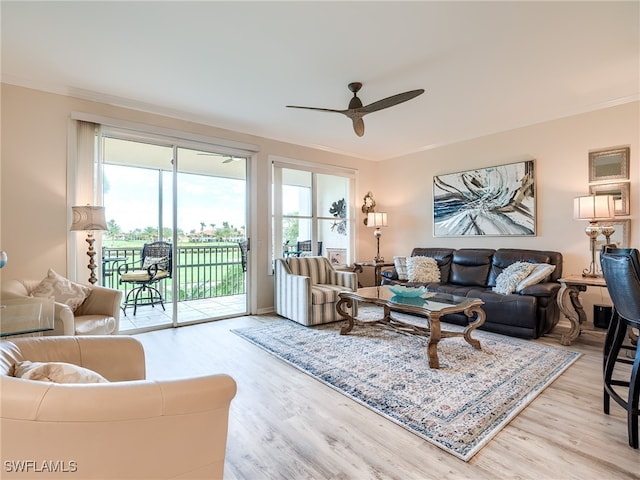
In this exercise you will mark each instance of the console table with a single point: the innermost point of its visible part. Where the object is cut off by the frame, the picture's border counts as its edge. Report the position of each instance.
(569, 302)
(377, 266)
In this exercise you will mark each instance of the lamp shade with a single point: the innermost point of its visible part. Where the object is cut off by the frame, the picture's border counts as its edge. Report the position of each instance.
(594, 207)
(376, 219)
(88, 218)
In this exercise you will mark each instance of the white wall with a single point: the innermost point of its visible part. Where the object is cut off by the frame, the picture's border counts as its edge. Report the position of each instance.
(560, 149)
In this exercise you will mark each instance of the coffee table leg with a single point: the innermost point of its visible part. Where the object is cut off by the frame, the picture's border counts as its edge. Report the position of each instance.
(344, 313)
(434, 337)
(479, 321)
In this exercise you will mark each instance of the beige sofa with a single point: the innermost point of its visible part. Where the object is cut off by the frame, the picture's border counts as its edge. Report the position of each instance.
(127, 428)
(99, 314)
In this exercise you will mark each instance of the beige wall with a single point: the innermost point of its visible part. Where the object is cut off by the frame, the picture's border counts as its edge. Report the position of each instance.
(560, 149)
(34, 208)
(34, 211)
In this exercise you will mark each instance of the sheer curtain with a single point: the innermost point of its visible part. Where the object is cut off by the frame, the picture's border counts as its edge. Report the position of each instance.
(83, 188)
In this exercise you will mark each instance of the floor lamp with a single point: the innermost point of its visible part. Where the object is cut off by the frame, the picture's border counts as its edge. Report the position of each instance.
(88, 218)
(377, 220)
(594, 208)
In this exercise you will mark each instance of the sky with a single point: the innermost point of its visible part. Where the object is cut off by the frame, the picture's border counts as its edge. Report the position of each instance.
(131, 199)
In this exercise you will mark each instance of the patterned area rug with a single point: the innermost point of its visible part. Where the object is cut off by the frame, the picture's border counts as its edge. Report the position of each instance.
(459, 407)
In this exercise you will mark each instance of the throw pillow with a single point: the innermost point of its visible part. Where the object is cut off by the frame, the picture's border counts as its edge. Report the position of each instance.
(163, 262)
(401, 268)
(56, 372)
(511, 276)
(539, 273)
(62, 290)
(423, 269)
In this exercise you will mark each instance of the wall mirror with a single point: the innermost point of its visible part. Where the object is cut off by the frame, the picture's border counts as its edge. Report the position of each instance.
(611, 164)
(620, 236)
(620, 192)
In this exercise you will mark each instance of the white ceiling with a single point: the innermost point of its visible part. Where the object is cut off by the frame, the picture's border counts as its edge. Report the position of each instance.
(486, 66)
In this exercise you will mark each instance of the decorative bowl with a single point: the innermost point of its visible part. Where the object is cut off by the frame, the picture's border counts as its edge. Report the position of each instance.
(403, 291)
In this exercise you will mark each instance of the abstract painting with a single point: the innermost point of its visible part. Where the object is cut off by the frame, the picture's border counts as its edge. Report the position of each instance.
(496, 201)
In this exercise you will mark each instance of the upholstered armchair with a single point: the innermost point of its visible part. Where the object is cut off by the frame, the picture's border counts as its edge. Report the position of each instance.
(99, 313)
(129, 427)
(307, 288)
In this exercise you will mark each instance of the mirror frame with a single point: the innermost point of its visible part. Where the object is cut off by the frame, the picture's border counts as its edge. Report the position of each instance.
(609, 189)
(622, 155)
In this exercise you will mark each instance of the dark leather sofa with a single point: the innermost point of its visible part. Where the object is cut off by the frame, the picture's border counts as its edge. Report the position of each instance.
(472, 272)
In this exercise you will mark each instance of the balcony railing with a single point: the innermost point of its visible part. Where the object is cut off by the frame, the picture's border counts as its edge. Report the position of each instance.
(202, 272)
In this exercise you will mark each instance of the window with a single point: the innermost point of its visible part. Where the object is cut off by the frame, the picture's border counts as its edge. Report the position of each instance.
(312, 212)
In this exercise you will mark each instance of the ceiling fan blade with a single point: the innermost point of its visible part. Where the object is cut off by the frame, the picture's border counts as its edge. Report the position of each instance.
(358, 126)
(319, 109)
(391, 101)
(356, 111)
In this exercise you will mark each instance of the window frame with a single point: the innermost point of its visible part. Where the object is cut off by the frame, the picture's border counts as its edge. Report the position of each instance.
(276, 220)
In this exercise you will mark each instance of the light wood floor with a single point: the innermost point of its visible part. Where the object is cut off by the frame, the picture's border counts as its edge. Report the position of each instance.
(286, 425)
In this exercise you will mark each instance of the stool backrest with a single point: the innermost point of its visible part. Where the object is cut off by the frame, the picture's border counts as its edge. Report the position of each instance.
(621, 269)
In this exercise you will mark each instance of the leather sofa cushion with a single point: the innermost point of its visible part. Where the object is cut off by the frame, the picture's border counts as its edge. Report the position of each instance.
(471, 266)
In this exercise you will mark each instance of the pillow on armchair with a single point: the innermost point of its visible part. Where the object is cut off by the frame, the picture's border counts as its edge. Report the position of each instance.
(56, 372)
(62, 289)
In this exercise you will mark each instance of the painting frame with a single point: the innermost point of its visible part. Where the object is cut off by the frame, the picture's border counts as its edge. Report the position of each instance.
(498, 200)
(620, 192)
(609, 164)
(337, 256)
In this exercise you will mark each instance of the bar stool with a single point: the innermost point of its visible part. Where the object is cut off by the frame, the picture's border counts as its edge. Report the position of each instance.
(621, 269)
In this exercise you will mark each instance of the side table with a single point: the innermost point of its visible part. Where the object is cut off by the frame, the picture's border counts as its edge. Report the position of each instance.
(569, 302)
(20, 316)
(358, 267)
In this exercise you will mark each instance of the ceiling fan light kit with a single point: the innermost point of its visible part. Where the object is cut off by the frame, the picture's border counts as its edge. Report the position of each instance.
(356, 111)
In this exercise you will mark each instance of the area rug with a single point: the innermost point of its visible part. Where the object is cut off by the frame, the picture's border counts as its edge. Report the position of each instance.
(458, 407)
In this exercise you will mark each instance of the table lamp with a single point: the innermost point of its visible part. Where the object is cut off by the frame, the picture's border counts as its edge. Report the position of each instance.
(88, 218)
(377, 220)
(593, 208)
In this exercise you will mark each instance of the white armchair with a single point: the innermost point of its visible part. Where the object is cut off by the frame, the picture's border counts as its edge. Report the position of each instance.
(306, 289)
(127, 428)
(99, 314)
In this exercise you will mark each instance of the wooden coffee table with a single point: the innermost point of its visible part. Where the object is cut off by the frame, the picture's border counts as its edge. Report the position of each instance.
(430, 307)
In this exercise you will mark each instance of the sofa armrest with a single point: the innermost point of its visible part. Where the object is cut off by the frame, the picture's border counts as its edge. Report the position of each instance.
(101, 301)
(546, 289)
(292, 293)
(64, 322)
(125, 416)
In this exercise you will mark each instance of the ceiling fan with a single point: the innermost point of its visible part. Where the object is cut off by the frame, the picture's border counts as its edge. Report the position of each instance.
(227, 160)
(356, 111)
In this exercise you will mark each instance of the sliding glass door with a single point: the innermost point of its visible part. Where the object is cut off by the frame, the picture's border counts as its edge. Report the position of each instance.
(211, 192)
(196, 200)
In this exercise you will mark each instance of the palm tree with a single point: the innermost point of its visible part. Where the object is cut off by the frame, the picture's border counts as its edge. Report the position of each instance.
(114, 229)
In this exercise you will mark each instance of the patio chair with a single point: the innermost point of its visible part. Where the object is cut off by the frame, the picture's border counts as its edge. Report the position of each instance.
(303, 249)
(244, 247)
(156, 263)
